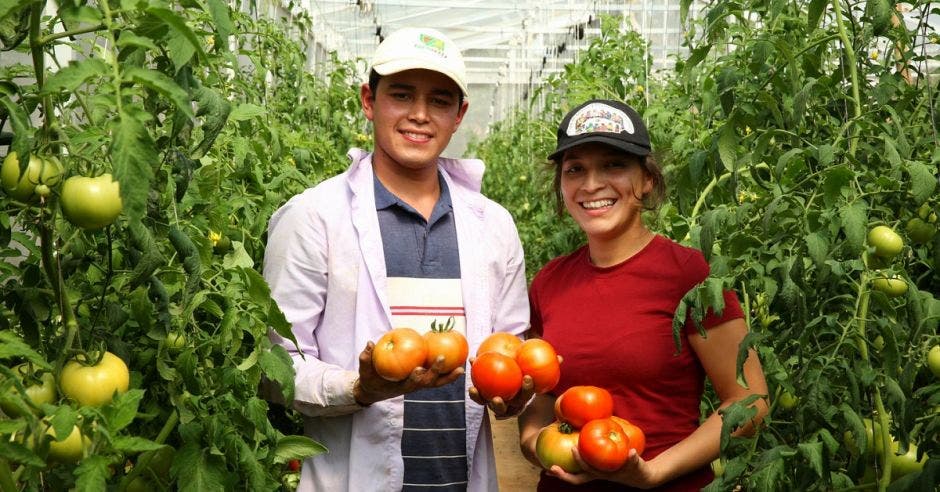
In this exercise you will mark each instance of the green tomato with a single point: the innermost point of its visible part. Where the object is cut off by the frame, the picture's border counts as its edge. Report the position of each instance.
(886, 242)
(69, 450)
(788, 401)
(933, 360)
(891, 286)
(873, 444)
(39, 393)
(91, 203)
(222, 245)
(903, 464)
(39, 172)
(920, 231)
(717, 467)
(878, 343)
(94, 385)
(175, 340)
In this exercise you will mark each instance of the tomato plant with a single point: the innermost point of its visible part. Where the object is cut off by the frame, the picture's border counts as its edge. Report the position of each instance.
(933, 360)
(398, 352)
(554, 446)
(91, 202)
(494, 374)
(581, 404)
(501, 342)
(94, 384)
(39, 390)
(603, 444)
(443, 340)
(22, 185)
(537, 358)
(886, 242)
(634, 434)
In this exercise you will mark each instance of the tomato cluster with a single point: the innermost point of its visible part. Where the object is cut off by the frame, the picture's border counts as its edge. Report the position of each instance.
(401, 350)
(503, 360)
(585, 420)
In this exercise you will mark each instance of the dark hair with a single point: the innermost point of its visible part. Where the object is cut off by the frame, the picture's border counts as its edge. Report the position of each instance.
(374, 78)
(651, 201)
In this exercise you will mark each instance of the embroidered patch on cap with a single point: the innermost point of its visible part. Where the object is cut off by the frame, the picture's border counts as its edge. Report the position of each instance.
(434, 44)
(599, 117)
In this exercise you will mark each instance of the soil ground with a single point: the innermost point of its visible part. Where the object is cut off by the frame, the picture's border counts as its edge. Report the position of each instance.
(515, 474)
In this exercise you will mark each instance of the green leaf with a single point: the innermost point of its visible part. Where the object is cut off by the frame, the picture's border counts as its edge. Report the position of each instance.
(278, 366)
(814, 12)
(855, 224)
(813, 452)
(183, 42)
(20, 122)
(246, 111)
(12, 346)
(123, 409)
(216, 109)
(727, 146)
(69, 78)
(220, 16)
(134, 444)
(162, 84)
(92, 474)
(18, 453)
(197, 472)
(297, 448)
(891, 153)
(133, 155)
(817, 247)
(923, 180)
(835, 179)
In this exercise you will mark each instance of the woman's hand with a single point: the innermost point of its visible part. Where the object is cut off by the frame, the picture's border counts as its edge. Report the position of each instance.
(636, 472)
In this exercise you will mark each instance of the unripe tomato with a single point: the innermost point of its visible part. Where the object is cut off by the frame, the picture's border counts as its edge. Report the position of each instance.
(91, 203)
(494, 374)
(920, 231)
(175, 340)
(69, 450)
(904, 464)
(39, 172)
(933, 360)
(582, 404)
(398, 352)
(788, 401)
(634, 434)
(502, 342)
(554, 445)
(443, 340)
(38, 393)
(94, 385)
(603, 444)
(893, 286)
(537, 359)
(886, 242)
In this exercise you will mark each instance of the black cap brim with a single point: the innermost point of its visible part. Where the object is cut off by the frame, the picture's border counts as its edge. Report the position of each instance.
(613, 142)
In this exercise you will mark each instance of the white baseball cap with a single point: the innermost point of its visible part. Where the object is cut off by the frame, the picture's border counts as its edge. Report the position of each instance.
(412, 48)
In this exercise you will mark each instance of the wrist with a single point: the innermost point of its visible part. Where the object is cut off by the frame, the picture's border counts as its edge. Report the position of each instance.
(359, 395)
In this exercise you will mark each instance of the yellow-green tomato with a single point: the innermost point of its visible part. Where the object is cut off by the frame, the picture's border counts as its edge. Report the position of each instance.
(91, 203)
(920, 231)
(175, 340)
(933, 360)
(69, 450)
(886, 242)
(891, 286)
(903, 464)
(40, 393)
(22, 186)
(94, 385)
(788, 401)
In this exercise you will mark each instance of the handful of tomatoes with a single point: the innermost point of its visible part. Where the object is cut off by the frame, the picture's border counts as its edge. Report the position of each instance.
(585, 420)
(399, 351)
(503, 360)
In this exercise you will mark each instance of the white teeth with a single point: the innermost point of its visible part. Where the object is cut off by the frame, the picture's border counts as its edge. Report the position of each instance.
(597, 204)
(416, 136)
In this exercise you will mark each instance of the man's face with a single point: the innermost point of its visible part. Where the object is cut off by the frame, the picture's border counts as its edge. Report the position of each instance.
(414, 114)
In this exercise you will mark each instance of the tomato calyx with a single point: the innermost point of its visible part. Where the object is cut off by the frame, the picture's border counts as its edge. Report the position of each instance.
(443, 327)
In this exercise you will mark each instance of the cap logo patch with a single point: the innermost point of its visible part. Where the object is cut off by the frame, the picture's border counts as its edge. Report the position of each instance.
(430, 42)
(599, 118)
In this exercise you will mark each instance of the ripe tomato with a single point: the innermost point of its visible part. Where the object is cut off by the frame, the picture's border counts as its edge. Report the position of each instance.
(554, 445)
(39, 392)
(443, 340)
(933, 360)
(886, 242)
(494, 374)
(91, 203)
(94, 385)
(891, 286)
(41, 171)
(537, 358)
(634, 434)
(69, 450)
(293, 465)
(398, 352)
(603, 444)
(504, 343)
(581, 404)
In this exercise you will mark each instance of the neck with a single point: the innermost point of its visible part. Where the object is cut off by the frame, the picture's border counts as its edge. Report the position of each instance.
(419, 188)
(605, 253)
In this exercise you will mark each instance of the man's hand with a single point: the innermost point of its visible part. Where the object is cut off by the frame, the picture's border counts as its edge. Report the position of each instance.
(371, 387)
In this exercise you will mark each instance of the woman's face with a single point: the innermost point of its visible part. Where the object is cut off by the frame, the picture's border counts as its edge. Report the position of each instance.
(603, 188)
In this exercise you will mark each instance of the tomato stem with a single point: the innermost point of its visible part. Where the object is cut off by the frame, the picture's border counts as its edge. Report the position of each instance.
(849, 52)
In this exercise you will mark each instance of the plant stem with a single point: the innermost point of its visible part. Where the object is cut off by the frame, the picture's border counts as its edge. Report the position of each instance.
(64, 34)
(849, 51)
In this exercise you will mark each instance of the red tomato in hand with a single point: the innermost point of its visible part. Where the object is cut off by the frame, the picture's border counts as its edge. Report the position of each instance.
(537, 358)
(582, 404)
(502, 342)
(554, 445)
(634, 434)
(494, 374)
(603, 444)
(443, 340)
(398, 352)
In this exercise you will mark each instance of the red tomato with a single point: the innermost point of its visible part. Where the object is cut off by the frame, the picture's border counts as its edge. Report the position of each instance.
(443, 340)
(554, 445)
(634, 434)
(293, 465)
(537, 358)
(582, 404)
(494, 374)
(603, 444)
(504, 343)
(399, 352)
(558, 415)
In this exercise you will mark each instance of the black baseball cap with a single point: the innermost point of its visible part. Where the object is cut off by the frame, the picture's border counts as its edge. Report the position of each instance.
(605, 121)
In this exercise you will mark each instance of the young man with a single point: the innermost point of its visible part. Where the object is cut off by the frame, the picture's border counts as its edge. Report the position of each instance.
(403, 237)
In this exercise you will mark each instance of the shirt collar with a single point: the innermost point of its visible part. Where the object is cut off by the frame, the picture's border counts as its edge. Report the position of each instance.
(385, 199)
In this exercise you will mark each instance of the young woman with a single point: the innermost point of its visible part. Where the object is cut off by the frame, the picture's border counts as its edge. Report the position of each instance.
(608, 307)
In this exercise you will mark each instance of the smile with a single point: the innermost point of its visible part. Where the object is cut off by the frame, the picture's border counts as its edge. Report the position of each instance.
(417, 137)
(595, 204)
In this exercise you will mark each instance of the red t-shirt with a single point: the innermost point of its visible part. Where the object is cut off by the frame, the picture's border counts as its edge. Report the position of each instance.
(613, 327)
